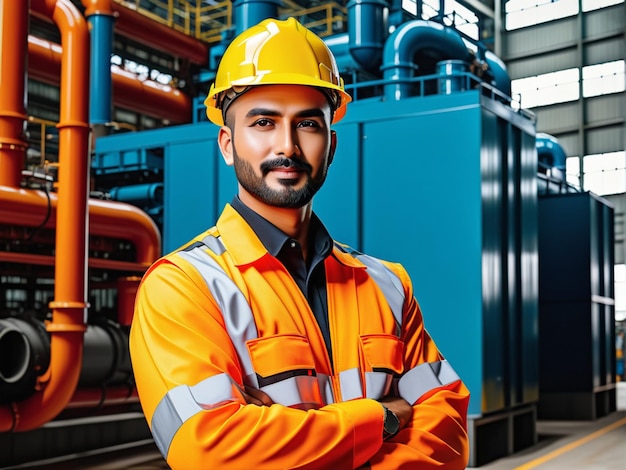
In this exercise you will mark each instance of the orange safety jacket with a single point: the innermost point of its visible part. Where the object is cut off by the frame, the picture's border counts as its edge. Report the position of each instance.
(222, 313)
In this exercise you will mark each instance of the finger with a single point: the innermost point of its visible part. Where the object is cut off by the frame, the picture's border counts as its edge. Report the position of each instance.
(260, 396)
(250, 400)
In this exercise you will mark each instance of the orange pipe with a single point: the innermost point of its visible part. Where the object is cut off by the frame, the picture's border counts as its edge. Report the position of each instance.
(28, 208)
(13, 33)
(69, 307)
(143, 96)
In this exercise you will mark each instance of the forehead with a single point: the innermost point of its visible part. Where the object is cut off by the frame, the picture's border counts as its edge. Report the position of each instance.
(282, 99)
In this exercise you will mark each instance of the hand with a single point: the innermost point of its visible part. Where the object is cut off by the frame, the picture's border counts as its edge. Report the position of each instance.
(254, 396)
(400, 407)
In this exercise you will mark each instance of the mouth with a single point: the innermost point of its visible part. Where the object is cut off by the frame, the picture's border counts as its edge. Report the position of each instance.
(286, 173)
(285, 167)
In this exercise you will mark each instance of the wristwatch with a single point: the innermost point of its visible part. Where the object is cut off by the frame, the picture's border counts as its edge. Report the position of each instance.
(392, 424)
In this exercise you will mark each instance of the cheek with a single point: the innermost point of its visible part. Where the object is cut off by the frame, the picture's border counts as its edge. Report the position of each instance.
(317, 153)
(250, 145)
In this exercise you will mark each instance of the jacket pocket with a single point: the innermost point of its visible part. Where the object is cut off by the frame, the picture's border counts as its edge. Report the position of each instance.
(285, 370)
(381, 360)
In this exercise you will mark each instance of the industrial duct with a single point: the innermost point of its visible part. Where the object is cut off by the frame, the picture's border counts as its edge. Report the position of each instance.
(367, 31)
(426, 38)
(550, 156)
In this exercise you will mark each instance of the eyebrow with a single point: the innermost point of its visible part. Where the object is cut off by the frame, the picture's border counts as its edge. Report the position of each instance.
(313, 112)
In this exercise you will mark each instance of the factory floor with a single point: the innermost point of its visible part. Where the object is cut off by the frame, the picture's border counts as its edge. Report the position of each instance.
(575, 445)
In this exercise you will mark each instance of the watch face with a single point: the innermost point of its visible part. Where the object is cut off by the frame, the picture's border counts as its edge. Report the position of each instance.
(392, 423)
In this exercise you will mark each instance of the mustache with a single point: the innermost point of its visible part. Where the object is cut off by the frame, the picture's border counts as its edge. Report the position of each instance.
(269, 165)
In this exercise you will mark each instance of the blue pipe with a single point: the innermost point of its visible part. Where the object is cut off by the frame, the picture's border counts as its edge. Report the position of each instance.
(339, 45)
(367, 24)
(497, 69)
(100, 81)
(406, 41)
(141, 195)
(248, 13)
(550, 153)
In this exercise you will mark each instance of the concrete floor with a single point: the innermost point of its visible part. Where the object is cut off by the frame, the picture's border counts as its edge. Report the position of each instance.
(575, 445)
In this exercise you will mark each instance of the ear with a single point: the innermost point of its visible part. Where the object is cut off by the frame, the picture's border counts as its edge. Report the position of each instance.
(333, 147)
(225, 142)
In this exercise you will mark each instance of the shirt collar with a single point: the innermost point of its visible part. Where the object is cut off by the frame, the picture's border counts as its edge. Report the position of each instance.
(274, 239)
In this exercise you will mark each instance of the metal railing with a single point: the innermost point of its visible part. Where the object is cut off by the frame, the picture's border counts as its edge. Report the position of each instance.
(194, 18)
(206, 21)
(325, 19)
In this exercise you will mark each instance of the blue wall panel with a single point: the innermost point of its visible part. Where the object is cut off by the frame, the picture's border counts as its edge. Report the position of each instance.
(338, 202)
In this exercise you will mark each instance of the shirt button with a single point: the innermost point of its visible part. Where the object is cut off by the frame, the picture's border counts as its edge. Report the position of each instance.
(293, 244)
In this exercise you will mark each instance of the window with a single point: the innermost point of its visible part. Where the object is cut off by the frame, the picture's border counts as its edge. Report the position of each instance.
(589, 5)
(549, 88)
(572, 171)
(457, 15)
(521, 13)
(602, 79)
(410, 6)
(604, 173)
(563, 86)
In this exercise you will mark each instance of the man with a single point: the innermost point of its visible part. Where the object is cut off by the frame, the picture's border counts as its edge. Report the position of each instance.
(264, 344)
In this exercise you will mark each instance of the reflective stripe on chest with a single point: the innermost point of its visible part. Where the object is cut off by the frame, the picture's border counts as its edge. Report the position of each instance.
(284, 363)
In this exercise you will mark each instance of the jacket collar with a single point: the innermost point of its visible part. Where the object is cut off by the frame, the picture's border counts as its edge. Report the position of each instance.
(245, 247)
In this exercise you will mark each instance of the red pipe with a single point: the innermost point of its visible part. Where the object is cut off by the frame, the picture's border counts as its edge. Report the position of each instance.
(69, 307)
(142, 29)
(150, 97)
(94, 398)
(13, 33)
(147, 97)
(97, 263)
(136, 26)
(28, 208)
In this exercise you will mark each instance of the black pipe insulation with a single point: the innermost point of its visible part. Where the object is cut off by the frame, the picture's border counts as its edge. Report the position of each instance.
(25, 356)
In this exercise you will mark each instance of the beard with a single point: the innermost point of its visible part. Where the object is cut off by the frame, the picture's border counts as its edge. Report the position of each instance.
(287, 197)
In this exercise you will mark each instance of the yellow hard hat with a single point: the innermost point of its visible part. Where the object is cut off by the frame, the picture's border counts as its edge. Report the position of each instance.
(276, 52)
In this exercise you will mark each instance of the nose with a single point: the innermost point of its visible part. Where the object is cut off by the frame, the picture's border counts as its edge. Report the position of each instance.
(286, 143)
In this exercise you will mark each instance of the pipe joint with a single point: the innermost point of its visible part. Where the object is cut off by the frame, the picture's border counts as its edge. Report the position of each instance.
(24, 356)
(13, 144)
(54, 327)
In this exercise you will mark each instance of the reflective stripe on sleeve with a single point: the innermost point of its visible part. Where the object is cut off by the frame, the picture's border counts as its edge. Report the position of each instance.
(299, 390)
(326, 389)
(350, 383)
(234, 306)
(377, 384)
(425, 377)
(184, 401)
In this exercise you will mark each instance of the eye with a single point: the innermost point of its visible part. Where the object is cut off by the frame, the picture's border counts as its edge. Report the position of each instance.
(309, 123)
(262, 122)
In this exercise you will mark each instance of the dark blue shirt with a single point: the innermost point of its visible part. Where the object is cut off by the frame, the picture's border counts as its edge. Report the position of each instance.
(310, 274)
